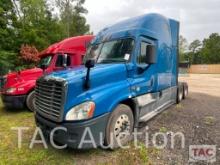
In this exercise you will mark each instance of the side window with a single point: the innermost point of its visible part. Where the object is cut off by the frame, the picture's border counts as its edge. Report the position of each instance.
(59, 62)
(141, 59)
(68, 60)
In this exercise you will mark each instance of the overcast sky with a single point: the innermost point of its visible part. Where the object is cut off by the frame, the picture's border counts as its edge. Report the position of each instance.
(198, 18)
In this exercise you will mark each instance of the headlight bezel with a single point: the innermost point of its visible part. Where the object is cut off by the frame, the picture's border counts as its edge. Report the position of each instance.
(83, 111)
(11, 90)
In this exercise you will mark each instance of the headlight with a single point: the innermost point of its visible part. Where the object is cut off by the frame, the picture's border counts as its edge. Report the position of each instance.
(11, 90)
(81, 112)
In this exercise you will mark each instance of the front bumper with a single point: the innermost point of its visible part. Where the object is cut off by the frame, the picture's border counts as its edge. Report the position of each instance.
(75, 131)
(16, 102)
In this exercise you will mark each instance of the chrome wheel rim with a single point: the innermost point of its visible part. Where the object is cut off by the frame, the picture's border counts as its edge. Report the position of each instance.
(122, 127)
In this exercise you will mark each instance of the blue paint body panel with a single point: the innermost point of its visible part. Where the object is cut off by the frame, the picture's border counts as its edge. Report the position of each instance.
(114, 83)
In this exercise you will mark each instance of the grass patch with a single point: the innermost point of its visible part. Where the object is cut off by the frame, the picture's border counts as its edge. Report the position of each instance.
(11, 154)
(133, 155)
(209, 120)
(143, 152)
(163, 129)
(179, 106)
(9, 151)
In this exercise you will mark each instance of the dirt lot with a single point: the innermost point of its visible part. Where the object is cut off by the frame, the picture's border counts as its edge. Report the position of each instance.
(197, 117)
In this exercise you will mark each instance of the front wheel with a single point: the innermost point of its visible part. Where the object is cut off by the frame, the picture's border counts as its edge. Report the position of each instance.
(30, 101)
(120, 127)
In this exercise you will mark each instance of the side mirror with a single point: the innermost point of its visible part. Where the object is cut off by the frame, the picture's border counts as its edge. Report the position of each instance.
(90, 63)
(65, 60)
(43, 67)
(151, 54)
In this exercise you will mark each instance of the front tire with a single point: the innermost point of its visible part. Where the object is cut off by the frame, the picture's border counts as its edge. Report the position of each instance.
(30, 101)
(120, 127)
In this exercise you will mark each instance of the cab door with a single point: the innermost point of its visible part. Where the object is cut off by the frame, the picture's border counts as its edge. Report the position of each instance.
(144, 77)
(143, 84)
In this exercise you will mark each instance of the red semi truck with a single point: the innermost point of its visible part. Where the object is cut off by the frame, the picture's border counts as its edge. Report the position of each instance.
(17, 88)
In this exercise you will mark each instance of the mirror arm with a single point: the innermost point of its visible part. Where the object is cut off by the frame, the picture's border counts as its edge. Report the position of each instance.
(88, 64)
(141, 69)
(65, 61)
(87, 80)
(43, 67)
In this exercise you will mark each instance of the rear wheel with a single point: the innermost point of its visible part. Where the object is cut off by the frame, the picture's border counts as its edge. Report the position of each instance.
(30, 101)
(120, 127)
(185, 90)
(179, 93)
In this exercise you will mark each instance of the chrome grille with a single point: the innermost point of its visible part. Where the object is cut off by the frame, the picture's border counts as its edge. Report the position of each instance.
(50, 98)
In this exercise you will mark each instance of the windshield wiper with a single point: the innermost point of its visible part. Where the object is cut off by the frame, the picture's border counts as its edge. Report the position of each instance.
(112, 61)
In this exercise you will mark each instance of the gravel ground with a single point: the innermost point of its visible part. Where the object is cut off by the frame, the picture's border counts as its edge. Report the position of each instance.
(197, 117)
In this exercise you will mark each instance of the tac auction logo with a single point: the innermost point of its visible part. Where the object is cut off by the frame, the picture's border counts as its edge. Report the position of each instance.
(205, 153)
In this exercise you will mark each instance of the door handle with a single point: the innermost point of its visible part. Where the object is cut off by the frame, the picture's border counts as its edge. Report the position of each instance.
(152, 82)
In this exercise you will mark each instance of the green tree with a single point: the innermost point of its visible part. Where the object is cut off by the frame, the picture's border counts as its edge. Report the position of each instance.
(211, 49)
(195, 46)
(8, 22)
(195, 52)
(72, 17)
(37, 26)
(31, 22)
(7, 61)
(182, 48)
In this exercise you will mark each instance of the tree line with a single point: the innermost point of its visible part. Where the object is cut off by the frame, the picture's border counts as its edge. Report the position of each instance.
(29, 26)
(32, 25)
(200, 52)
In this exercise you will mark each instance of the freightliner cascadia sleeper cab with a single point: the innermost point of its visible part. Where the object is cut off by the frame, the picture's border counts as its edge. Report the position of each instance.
(130, 75)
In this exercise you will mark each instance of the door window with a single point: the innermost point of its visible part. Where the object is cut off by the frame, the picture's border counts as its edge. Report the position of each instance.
(59, 62)
(141, 59)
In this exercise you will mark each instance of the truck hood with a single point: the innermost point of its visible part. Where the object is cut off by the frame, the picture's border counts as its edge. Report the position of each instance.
(26, 72)
(102, 76)
(99, 71)
(24, 75)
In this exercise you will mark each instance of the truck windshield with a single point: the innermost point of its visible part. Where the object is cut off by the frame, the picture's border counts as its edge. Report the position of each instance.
(112, 51)
(45, 61)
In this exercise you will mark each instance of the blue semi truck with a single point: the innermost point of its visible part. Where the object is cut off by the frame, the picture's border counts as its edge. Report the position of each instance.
(130, 75)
